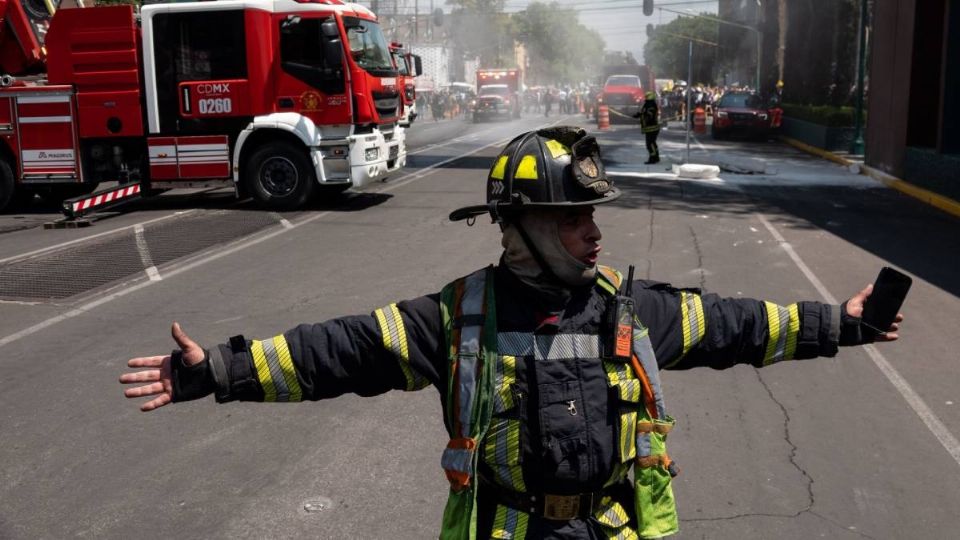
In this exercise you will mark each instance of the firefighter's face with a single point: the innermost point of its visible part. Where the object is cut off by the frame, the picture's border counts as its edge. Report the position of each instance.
(579, 233)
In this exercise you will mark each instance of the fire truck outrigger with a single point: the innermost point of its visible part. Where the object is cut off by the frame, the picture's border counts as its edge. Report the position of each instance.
(279, 99)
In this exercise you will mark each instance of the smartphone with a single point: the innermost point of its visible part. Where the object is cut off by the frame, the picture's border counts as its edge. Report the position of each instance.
(883, 304)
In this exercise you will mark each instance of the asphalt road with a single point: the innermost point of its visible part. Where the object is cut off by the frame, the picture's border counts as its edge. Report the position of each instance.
(860, 446)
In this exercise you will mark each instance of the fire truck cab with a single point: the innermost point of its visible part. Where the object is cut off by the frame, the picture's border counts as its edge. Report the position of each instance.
(276, 98)
(409, 67)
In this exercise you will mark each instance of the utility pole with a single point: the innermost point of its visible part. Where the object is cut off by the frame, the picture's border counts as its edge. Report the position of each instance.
(857, 148)
(686, 120)
(416, 20)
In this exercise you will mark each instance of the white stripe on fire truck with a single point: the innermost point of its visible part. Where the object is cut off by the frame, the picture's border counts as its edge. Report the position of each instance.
(45, 119)
(201, 147)
(43, 99)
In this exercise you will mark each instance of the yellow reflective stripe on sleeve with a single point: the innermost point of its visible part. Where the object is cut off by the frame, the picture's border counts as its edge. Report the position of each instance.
(691, 313)
(286, 365)
(263, 371)
(527, 170)
(509, 524)
(499, 168)
(395, 340)
(557, 148)
(783, 327)
(275, 369)
(793, 331)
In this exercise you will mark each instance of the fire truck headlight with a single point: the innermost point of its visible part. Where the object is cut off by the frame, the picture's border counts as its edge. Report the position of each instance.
(371, 154)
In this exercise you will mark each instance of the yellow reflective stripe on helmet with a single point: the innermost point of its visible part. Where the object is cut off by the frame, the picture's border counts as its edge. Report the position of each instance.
(692, 320)
(509, 524)
(395, 340)
(527, 170)
(499, 168)
(557, 148)
(275, 370)
(783, 327)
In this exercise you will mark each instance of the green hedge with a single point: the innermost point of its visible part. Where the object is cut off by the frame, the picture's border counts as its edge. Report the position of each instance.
(825, 115)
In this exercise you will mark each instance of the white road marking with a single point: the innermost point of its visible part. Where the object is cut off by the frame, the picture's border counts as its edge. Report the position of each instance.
(144, 250)
(92, 236)
(933, 423)
(204, 258)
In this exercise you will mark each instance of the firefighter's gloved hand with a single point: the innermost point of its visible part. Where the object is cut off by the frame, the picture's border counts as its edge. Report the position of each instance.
(177, 377)
(853, 332)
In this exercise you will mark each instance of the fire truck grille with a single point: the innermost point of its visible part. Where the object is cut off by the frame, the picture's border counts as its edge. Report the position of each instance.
(91, 265)
(386, 103)
(618, 99)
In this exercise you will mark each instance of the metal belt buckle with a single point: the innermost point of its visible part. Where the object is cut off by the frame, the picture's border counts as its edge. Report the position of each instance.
(561, 507)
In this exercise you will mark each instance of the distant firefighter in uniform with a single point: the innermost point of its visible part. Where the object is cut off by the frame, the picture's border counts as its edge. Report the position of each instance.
(649, 116)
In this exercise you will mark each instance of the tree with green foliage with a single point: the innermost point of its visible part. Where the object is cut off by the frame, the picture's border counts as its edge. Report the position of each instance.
(561, 49)
(667, 49)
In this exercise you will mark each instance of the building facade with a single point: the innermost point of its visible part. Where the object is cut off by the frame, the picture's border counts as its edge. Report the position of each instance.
(913, 127)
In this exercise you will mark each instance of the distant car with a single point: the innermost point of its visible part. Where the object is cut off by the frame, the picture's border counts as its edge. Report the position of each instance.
(623, 94)
(742, 113)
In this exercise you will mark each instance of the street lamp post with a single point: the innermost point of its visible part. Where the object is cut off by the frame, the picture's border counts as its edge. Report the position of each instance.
(857, 148)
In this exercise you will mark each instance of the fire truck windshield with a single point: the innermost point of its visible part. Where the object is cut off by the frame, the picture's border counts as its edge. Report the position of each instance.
(401, 63)
(624, 80)
(368, 47)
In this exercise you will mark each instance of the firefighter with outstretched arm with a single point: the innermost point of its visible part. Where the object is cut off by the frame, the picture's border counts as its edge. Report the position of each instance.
(548, 363)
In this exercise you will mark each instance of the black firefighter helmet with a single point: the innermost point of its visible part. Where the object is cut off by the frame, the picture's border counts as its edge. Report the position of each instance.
(547, 168)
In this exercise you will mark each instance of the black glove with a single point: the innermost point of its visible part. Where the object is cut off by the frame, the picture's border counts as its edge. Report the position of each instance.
(853, 331)
(191, 382)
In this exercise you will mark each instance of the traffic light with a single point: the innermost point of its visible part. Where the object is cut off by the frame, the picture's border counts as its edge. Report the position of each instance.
(438, 17)
(648, 7)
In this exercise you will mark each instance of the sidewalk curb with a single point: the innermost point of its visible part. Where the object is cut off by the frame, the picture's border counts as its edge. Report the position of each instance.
(924, 195)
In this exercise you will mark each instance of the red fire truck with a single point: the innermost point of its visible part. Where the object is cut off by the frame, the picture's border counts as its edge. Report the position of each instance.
(498, 94)
(278, 99)
(409, 67)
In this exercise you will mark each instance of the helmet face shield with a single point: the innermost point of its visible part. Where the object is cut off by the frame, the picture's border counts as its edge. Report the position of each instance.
(553, 167)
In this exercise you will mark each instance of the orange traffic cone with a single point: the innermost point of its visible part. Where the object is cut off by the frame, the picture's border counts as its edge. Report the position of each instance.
(603, 119)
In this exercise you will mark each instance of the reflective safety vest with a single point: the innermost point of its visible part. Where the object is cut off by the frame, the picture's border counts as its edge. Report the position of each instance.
(479, 385)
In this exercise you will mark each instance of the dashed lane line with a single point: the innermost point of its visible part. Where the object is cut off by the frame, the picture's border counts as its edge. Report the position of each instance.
(55, 247)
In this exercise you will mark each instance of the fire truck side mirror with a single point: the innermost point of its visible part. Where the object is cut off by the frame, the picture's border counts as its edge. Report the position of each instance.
(332, 51)
(648, 7)
(417, 65)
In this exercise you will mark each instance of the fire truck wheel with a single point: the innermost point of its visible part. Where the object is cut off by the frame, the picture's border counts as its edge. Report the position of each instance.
(279, 176)
(6, 184)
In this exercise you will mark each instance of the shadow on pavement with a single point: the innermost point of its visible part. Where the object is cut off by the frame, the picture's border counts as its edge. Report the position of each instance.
(908, 234)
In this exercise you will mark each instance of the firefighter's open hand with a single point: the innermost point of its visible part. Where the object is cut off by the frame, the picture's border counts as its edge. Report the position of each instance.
(855, 309)
(156, 380)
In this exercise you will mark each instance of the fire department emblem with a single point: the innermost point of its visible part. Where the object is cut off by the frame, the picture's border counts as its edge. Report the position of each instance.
(310, 100)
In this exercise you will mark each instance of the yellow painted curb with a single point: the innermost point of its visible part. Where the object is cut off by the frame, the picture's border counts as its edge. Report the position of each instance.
(924, 195)
(825, 154)
(934, 199)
